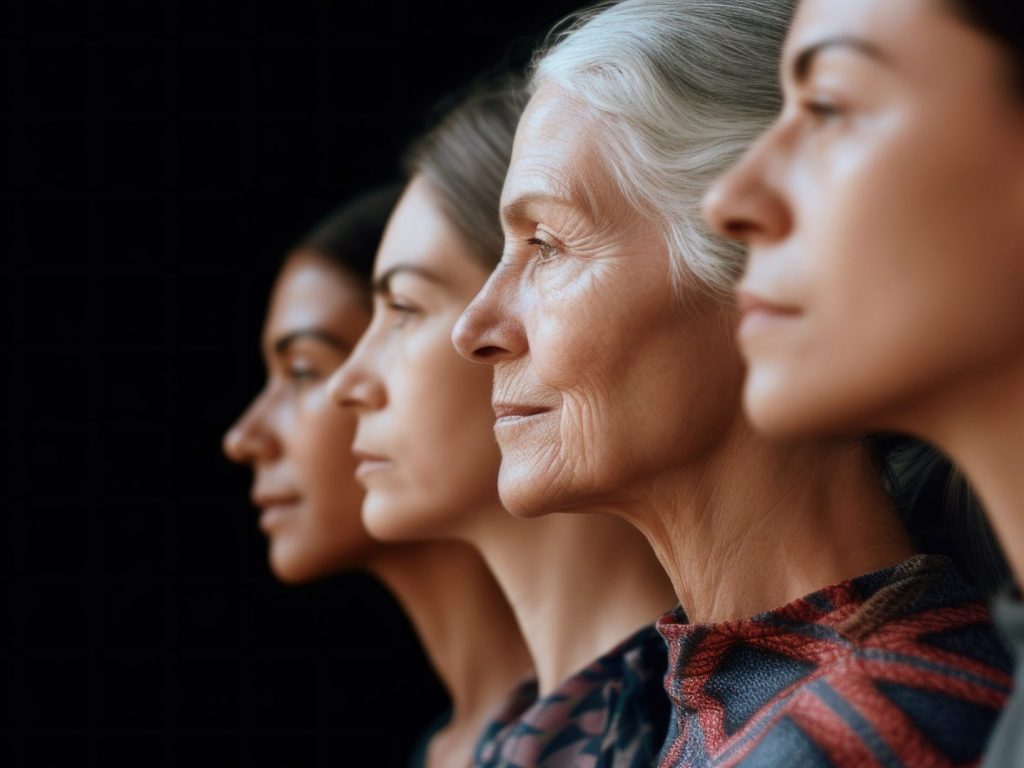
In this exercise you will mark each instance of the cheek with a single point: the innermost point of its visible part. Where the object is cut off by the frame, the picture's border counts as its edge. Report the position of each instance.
(328, 534)
(920, 260)
(447, 420)
(323, 449)
(578, 325)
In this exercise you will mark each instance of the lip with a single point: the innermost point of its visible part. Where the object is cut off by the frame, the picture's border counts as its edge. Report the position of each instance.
(275, 508)
(369, 463)
(508, 413)
(748, 302)
(758, 313)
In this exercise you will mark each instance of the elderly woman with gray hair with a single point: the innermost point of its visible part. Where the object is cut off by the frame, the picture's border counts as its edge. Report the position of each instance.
(817, 632)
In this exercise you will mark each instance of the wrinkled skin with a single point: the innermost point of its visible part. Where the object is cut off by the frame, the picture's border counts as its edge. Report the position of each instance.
(603, 376)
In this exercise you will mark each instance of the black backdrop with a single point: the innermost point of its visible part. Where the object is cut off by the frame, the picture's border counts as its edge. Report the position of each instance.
(157, 158)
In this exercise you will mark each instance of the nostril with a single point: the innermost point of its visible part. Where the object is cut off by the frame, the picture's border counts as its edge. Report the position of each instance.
(737, 229)
(487, 353)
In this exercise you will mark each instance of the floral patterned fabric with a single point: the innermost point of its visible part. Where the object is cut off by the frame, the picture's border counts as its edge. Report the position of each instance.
(612, 714)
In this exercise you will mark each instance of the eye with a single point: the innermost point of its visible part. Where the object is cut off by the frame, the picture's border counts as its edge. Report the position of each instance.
(821, 111)
(300, 375)
(404, 312)
(545, 250)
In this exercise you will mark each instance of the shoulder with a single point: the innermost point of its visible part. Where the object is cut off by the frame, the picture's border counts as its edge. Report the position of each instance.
(925, 686)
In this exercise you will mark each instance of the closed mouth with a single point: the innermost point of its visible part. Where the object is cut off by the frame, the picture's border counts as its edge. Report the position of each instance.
(366, 456)
(751, 303)
(508, 411)
(267, 500)
(369, 463)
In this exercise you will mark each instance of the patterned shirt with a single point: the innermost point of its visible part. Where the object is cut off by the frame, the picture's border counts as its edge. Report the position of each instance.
(897, 668)
(611, 714)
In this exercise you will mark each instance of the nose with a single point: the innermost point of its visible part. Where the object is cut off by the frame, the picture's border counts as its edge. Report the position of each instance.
(490, 329)
(355, 384)
(251, 439)
(744, 204)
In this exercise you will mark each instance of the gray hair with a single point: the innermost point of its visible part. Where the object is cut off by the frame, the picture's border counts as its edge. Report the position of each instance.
(683, 87)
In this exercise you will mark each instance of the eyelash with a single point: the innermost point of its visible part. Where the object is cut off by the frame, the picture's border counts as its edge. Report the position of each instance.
(545, 250)
(821, 111)
(302, 375)
(405, 311)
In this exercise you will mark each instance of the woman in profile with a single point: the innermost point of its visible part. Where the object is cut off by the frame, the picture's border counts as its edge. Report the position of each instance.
(815, 632)
(585, 591)
(883, 214)
(299, 446)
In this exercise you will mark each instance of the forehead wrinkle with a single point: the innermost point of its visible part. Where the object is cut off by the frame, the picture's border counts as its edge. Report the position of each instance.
(578, 179)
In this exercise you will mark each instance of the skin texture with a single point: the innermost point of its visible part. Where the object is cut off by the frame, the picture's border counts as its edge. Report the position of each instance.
(426, 412)
(298, 443)
(579, 320)
(883, 214)
(882, 210)
(622, 396)
(295, 439)
(405, 361)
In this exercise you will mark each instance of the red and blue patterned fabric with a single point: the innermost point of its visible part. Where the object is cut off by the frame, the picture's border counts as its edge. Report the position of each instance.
(897, 668)
(612, 714)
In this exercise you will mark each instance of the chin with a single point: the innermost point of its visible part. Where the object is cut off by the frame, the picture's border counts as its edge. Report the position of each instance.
(800, 413)
(395, 522)
(523, 495)
(291, 570)
(774, 408)
(294, 565)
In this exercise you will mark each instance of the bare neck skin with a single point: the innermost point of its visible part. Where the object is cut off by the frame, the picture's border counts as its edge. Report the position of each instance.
(759, 524)
(979, 424)
(467, 631)
(579, 584)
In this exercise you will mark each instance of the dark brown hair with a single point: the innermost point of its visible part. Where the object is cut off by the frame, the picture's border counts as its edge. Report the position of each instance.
(940, 510)
(1003, 21)
(349, 236)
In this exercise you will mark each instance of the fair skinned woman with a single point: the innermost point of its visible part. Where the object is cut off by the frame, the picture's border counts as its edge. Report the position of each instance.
(299, 446)
(882, 210)
(617, 390)
(585, 592)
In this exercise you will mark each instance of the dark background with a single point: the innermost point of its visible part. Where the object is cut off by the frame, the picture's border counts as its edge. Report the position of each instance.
(158, 157)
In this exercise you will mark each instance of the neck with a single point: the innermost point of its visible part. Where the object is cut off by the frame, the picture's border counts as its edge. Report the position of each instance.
(578, 584)
(979, 424)
(465, 627)
(758, 524)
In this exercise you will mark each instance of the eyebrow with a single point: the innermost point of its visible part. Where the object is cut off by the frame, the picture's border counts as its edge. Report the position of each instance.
(805, 59)
(515, 211)
(382, 284)
(282, 344)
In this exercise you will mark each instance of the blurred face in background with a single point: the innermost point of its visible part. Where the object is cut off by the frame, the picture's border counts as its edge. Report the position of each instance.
(428, 460)
(297, 441)
(605, 376)
(884, 216)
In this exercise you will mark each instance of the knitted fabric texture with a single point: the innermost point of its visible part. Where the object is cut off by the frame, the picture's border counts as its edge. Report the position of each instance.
(612, 714)
(897, 668)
